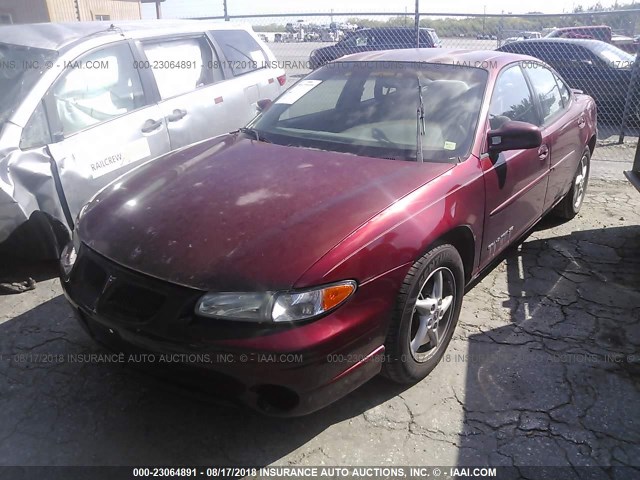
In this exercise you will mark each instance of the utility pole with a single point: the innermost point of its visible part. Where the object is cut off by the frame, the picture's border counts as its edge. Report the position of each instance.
(226, 12)
(417, 23)
(484, 19)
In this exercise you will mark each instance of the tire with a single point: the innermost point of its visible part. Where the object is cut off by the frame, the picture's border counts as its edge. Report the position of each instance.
(39, 238)
(408, 360)
(573, 200)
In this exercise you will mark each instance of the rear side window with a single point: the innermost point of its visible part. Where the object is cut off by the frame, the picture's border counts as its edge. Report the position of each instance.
(182, 65)
(426, 39)
(511, 100)
(242, 52)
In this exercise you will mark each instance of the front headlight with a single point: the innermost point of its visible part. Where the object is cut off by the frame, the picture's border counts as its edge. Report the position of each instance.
(275, 306)
(70, 254)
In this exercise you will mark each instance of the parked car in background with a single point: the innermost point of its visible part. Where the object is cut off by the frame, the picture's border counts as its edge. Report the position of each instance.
(603, 33)
(82, 103)
(523, 36)
(334, 236)
(369, 39)
(595, 67)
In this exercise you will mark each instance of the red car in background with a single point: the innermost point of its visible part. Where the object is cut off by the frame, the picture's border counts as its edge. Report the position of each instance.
(333, 237)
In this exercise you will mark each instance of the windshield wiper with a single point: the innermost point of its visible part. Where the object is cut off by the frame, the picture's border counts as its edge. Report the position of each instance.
(253, 133)
(420, 130)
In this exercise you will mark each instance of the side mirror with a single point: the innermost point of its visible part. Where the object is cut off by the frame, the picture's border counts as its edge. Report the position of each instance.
(514, 135)
(263, 105)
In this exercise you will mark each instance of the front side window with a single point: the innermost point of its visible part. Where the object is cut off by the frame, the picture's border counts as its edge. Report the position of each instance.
(241, 50)
(546, 89)
(370, 109)
(511, 99)
(182, 65)
(96, 88)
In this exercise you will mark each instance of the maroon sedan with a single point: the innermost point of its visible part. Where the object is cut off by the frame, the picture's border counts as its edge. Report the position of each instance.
(332, 238)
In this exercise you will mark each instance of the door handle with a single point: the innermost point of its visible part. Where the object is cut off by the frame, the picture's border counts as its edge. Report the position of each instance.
(177, 114)
(543, 152)
(151, 125)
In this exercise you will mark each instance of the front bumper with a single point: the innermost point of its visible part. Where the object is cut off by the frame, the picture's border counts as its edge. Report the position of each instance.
(279, 370)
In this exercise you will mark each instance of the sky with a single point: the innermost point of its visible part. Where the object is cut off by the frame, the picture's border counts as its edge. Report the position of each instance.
(204, 8)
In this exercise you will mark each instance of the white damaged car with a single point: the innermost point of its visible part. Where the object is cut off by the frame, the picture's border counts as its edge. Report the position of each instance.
(83, 103)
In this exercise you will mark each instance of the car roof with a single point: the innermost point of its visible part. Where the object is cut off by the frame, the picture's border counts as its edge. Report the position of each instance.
(585, 42)
(581, 27)
(473, 58)
(57, 36)
(411, 29)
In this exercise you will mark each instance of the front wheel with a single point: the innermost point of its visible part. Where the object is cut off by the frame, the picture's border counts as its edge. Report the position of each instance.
(426, 315)
(571, 203)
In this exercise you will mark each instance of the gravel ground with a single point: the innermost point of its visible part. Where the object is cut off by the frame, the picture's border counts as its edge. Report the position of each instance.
(543, 370)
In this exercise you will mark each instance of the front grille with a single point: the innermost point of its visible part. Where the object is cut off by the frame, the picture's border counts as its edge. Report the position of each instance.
(123, 297)
(131, 302)
(87, 281)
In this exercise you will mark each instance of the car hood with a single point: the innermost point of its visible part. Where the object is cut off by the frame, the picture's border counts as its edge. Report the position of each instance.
(235, 214)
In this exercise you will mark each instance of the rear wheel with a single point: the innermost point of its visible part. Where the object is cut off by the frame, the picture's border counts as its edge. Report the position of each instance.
(427, 312)
(571, 203)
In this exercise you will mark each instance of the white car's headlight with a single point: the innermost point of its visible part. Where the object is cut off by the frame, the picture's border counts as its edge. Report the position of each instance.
(275, 306)
(70, 254)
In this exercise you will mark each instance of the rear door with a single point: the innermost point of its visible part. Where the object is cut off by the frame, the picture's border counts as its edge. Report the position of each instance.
(103, 122)
(196, 100)
(560, 129)
(515, 181)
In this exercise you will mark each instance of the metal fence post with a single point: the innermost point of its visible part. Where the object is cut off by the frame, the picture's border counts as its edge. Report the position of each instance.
(226, 11)
(417, 23)
(630, 98)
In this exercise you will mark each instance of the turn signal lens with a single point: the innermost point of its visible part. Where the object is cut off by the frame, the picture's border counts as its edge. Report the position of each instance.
(334, 296)
(294, 306)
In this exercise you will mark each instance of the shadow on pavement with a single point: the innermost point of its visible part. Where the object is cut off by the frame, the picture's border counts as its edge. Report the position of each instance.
(553, 379)
(58, 412)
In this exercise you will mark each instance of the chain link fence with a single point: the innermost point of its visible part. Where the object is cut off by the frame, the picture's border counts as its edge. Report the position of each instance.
(594, 52)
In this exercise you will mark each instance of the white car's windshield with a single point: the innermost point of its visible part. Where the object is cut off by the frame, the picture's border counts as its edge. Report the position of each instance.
(20, 68)
(373, 109)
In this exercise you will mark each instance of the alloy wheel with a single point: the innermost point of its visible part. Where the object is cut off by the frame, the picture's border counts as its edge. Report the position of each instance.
(580, 183)
(431, 318)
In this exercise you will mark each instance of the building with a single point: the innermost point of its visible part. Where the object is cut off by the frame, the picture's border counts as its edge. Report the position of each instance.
(34, 11)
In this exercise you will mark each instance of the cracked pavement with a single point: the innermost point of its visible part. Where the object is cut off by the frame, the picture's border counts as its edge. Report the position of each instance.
(543, 370)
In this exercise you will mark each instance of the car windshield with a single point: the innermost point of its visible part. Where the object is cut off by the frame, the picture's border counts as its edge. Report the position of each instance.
(372, 109)
(20, 68)
(614, 56)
